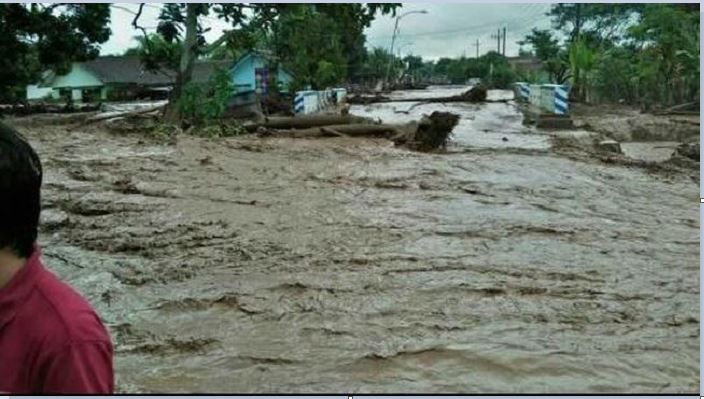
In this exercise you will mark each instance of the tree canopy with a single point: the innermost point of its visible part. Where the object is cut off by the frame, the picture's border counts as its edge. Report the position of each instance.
(644, 53)
(35, 37)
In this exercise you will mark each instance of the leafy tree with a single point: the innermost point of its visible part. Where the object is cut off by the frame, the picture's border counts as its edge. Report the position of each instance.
(548, 51)
(668, 39)
(442, 66)
(525, 53)
(616, 74)
(309, 46)
(254, 23)
(206, 102)
(647, 53)
(582, 59)
(156, 52)
(492, 68)
(595, 26)
(376, 64)
(605, 21)
(179, 23)
(35, 36)
(350, 21)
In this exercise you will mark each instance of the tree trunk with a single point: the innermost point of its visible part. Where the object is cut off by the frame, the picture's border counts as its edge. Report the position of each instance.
(307, 121)
(188, 57)
(354, 130)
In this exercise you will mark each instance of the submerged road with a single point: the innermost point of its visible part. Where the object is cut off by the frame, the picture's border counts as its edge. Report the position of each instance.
(343, 265)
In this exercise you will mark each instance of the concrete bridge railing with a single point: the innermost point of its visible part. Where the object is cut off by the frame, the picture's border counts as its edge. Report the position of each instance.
(551, 98)
(312, 101)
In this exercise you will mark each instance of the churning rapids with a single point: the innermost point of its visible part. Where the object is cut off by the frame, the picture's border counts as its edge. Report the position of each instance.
(348, 265)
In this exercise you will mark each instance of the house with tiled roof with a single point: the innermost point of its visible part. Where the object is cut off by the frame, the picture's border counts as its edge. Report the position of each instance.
(125, 77)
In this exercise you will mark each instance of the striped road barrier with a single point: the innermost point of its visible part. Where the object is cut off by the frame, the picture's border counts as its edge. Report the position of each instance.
(311, 101)
(551, 98)
(298, 103)
(561, 103)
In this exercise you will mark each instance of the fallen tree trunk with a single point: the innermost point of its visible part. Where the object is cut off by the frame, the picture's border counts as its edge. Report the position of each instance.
(431, 133)
(306, 121)
(349, 130)
(112, 115)
(31, 109)
(474, 95)
(690, 108)
(361, 99)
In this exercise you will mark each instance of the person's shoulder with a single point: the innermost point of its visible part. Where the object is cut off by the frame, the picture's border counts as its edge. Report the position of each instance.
(61, 311)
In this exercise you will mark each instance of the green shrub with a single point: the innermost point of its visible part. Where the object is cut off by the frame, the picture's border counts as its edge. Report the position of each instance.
(205, 103)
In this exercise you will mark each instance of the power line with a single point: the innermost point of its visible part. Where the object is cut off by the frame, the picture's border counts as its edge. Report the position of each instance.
(533, 18)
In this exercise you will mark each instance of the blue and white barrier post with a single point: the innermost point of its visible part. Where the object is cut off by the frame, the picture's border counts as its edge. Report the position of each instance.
(525, 91)
(561, 100)
(547, 97)
(311, 101)
(298, 103)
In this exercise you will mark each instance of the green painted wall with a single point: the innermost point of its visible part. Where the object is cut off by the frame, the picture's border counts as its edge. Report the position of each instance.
(79, 77)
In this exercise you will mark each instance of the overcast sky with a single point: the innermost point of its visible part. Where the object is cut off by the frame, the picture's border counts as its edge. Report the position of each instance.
(446, 30)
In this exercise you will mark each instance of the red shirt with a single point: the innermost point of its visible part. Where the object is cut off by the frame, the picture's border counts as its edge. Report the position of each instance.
(51, 339)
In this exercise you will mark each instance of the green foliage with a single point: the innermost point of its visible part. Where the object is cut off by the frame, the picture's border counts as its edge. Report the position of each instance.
(582, 61)
(638, 53)
(307, 43)
(350, 21)
(502, 77)
(596, 21)
(205, 103)
(323, 44)
(35, 37)
(319, 43)
(548, 51)
(219, 130)
(156, 53)
(492, 68)
(377, 63)
(615, 75)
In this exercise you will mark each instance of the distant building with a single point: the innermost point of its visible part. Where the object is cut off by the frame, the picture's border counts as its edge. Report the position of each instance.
(251, 73)
(124, 77)
(526, 64)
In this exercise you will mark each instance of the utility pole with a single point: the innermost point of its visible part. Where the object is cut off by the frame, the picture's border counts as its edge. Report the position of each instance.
(497, 36)
(504, 53)
(391, 52)
(393, 39)
(476, 44)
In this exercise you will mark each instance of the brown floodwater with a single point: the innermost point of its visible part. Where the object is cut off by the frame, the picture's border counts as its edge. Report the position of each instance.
(348, 265)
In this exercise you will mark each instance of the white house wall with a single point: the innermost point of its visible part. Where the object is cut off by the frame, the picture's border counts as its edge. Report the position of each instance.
(34, 92)
(243, 73)
(78, 77)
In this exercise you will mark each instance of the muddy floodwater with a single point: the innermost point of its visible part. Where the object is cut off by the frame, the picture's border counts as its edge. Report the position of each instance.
(347, 265)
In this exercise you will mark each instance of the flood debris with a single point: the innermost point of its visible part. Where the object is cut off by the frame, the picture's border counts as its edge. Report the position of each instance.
(364, 100)
(610, 146)
(689, 150)
(434, 131)
(430, 133)
(47, 108)
(305, 121)
(281, 236)
(690, 108)
(476, 94)
(106, 116)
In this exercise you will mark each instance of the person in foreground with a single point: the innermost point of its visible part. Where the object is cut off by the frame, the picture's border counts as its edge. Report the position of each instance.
(51, 339)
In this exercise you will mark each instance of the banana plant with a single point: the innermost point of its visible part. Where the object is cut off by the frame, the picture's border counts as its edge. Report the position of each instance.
(582, 58)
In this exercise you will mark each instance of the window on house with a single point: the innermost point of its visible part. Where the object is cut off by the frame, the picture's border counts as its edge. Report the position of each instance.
(261, 78)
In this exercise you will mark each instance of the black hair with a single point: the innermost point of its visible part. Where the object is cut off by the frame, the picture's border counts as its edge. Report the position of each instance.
(20, 183)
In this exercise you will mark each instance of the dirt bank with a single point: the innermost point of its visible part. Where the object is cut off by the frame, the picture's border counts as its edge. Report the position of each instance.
(629, 124)
(285, 265)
